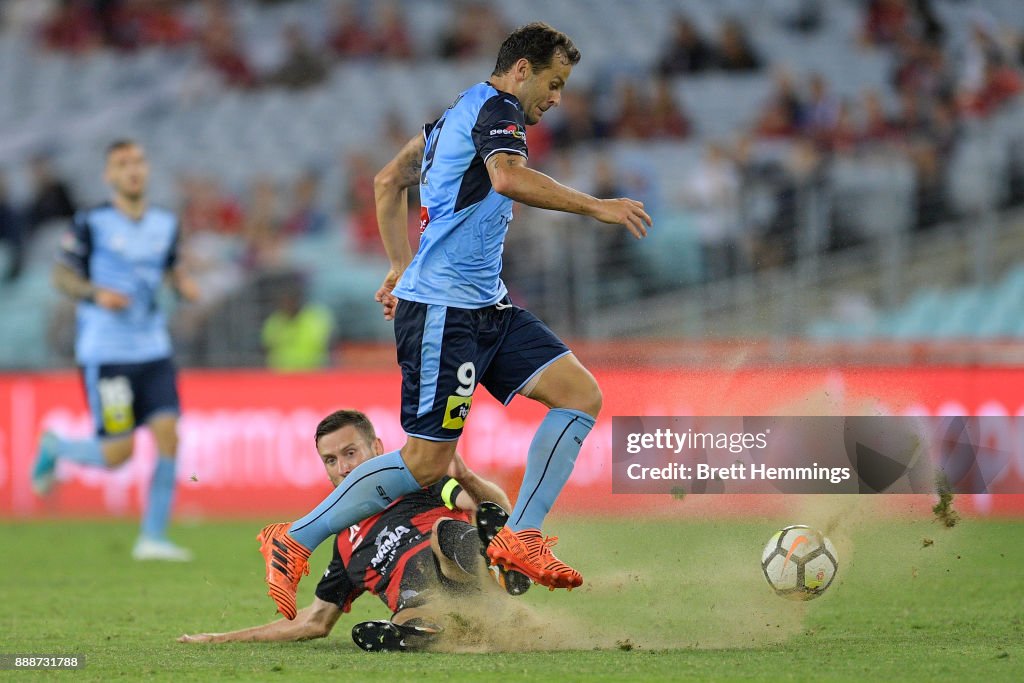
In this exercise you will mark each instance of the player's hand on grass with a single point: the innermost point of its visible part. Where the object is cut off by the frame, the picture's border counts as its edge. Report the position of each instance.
(198, 638)
(626, 212)
(384, 297)
(108, 298)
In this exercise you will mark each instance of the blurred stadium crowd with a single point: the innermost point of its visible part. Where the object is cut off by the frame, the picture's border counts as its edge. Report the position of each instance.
(763, 136)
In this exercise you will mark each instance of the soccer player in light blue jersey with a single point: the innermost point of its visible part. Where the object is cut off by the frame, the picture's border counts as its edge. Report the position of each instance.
(113, 261)
(455, 326)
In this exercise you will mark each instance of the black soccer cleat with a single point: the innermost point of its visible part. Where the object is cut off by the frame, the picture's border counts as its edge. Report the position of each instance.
(490, 518)
(385, 636)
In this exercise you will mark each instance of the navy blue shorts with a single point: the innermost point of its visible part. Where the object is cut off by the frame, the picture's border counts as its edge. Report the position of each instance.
(445, 351)
(122, 396)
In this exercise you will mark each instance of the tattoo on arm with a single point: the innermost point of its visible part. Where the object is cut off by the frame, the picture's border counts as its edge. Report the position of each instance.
(505, 160)
(409, 162)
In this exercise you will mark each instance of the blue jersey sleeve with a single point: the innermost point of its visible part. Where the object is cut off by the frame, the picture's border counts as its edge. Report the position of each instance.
(500, 127)
(76, 245)
(427, 127)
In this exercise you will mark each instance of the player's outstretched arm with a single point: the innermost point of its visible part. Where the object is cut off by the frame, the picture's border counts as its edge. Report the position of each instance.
(475, 489)
(71, 283)
(315, 621)
(390, 189)
(511, 177)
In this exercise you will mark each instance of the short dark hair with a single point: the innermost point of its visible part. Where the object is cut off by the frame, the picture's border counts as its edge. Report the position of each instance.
(346, 418)
(538, 43)
(119, 143)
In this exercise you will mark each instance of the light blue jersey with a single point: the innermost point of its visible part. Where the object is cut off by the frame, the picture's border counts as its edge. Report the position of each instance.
(462, 219)
(115, 252)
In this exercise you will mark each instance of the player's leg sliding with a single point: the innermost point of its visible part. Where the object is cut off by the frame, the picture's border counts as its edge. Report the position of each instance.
(152, 543)
(370, 488)
(387, 636)
(490, 519)
(520, 545)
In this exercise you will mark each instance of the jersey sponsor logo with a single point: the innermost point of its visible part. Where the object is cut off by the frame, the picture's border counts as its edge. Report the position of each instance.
(387, 543)
(116, 404)
(424, 218)
(456, 412)
(512, 130)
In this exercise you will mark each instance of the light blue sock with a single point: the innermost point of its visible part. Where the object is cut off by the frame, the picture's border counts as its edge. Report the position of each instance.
(549, 463)
(367, 490)
(84, 452)
(161, 497)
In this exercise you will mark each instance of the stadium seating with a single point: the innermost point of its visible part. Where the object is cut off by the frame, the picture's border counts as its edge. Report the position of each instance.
(971, 312)
(68, 105)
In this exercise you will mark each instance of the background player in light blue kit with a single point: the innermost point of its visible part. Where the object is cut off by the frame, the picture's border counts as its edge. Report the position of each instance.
(113, 261)
(455, 326)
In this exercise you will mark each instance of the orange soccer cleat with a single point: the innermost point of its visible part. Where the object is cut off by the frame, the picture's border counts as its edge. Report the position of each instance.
(528, 552)
(287, 562)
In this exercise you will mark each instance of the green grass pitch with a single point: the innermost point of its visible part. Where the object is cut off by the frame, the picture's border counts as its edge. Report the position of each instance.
(664, 600)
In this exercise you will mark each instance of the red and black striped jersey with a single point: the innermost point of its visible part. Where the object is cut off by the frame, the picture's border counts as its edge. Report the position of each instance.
(373, 555)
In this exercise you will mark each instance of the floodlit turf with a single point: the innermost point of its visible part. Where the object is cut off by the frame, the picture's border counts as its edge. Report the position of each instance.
(663, 600)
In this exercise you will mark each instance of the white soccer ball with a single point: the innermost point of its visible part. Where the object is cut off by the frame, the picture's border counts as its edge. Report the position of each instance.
(799, 562)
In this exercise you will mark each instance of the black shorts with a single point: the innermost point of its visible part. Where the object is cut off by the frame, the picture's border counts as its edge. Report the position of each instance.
(445, 351)
(122, 396)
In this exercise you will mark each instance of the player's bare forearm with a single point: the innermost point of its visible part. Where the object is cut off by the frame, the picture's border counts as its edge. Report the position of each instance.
(475, 487)
(392, 217)
(481, 489)
(71, 283)
(315, 621)
(512, 178)
(390, 188)
(184, 285)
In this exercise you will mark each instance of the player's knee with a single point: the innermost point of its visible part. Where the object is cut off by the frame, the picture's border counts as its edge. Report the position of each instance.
(427, 461)
(165, 433)
(168, 445)
(427, 471)
(116, 452)
(587, 396)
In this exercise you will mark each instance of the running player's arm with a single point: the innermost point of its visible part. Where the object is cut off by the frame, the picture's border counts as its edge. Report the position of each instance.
(511, 177)
(177, 274)
(475, 489)
(70, 272)
(390, 190)
(184, 284)
(315, 621)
